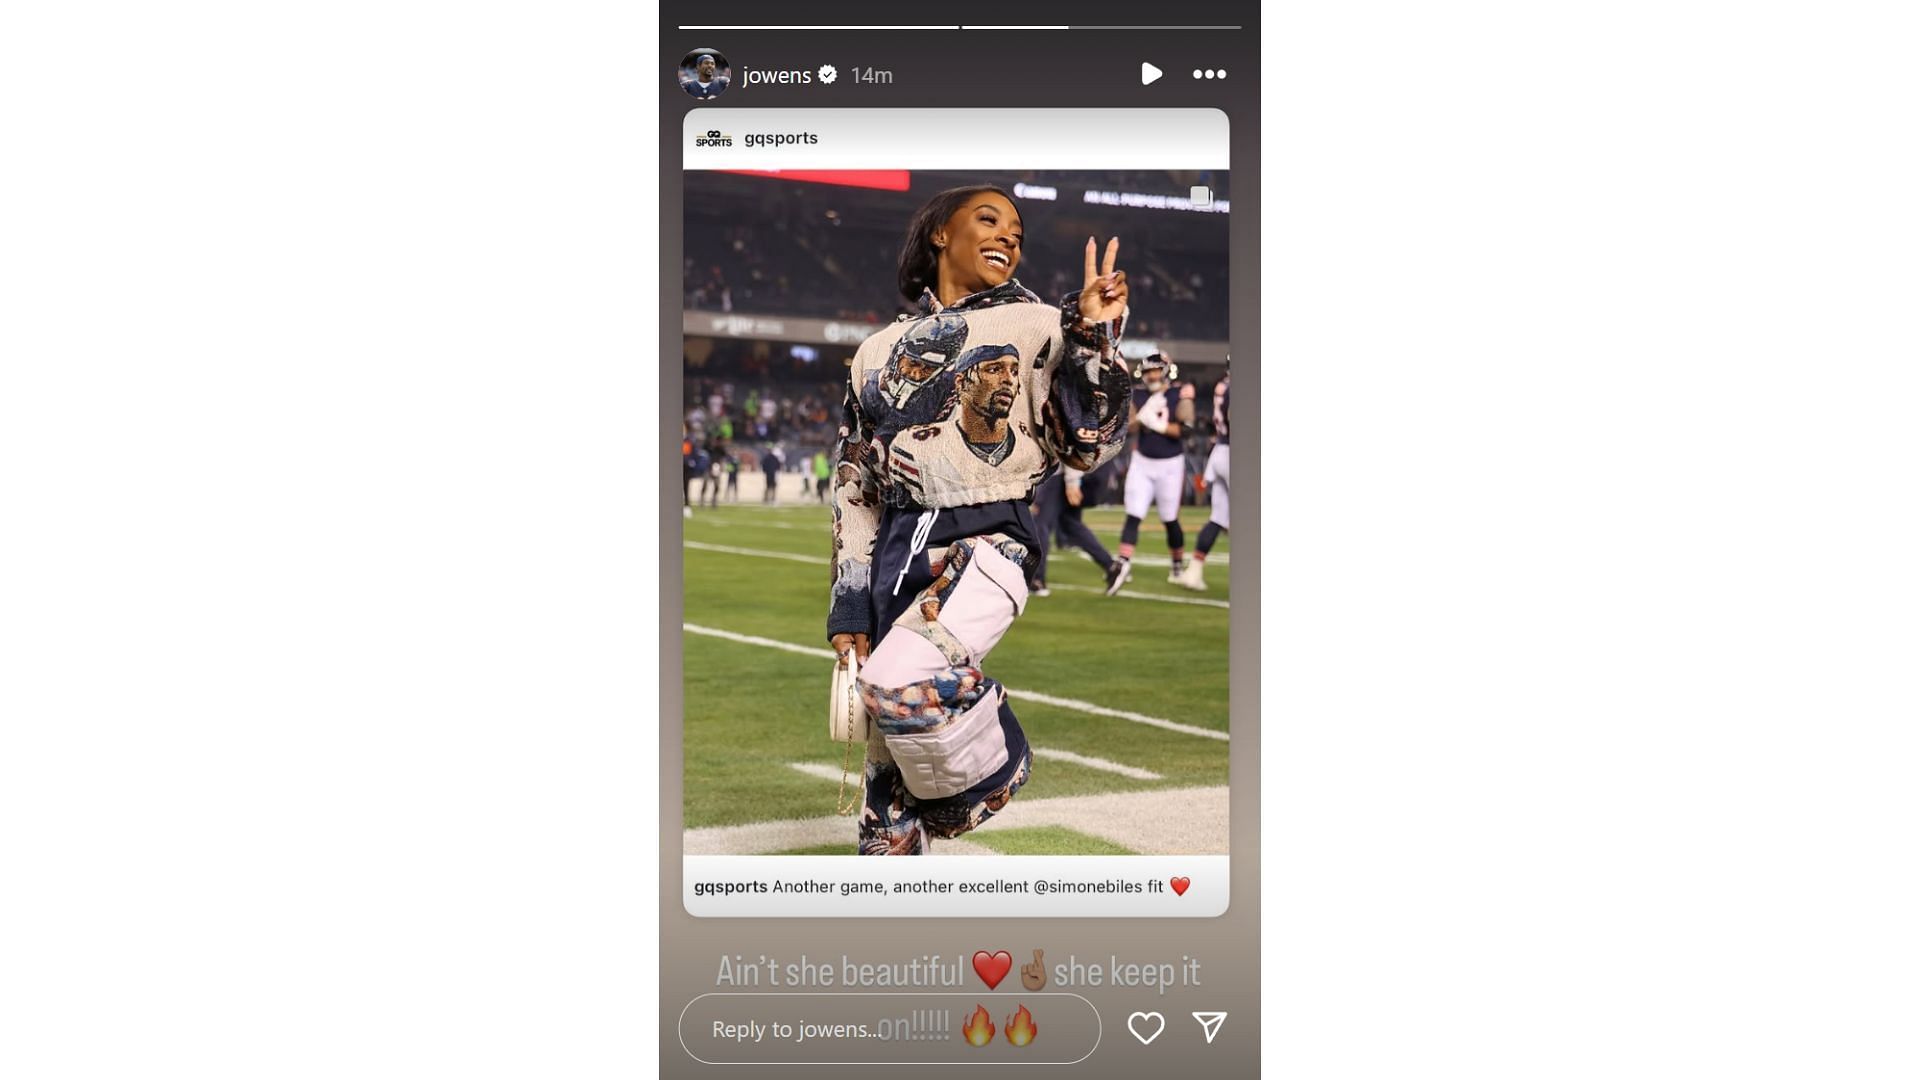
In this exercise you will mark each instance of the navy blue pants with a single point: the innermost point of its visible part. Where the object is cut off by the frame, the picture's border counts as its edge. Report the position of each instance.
(934, 576)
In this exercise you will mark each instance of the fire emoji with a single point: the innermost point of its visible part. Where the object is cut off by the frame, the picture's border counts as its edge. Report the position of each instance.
(979, 1029)
(1020, 1028)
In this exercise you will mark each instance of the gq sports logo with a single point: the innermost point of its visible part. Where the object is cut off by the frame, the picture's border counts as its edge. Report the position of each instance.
(714, 137)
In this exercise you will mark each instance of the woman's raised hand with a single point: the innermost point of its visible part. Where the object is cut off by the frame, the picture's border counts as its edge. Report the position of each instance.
(1104, 296)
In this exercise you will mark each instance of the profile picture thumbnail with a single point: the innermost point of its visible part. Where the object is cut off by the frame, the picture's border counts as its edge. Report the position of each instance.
(704, 73)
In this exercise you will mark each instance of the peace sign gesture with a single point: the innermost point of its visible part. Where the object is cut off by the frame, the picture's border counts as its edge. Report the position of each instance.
(1104, 296)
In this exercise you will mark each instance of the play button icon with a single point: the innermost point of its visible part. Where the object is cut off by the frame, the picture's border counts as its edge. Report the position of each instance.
(1148, 73)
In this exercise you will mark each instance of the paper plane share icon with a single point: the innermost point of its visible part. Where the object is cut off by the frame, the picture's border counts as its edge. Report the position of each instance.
(1210, 1023)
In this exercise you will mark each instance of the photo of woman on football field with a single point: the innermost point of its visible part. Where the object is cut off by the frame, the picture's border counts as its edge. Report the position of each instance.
(953, 415)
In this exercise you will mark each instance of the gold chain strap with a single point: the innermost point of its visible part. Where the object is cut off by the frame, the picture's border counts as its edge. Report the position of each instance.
(842, 805)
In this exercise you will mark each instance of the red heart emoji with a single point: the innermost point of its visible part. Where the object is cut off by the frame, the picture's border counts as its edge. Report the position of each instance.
(992, 967)
(1179, 887)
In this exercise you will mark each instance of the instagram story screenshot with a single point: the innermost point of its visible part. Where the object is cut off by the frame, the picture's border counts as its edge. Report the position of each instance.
(959, 729)
(1118, 539)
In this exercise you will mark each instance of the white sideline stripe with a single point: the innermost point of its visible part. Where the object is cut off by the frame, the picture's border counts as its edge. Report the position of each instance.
(1167, 821)
(820, 560)
(828, 772)
(1131, 595)
(964, 847)
(839, 833)
(1026, 695)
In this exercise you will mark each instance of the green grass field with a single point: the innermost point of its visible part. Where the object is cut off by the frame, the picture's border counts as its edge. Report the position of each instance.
(761, 775)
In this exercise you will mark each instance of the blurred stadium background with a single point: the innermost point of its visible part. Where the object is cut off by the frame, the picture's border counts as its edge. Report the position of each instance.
(1124, 698)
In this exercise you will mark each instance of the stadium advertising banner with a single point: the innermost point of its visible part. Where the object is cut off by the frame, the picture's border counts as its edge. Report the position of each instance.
(955, 532)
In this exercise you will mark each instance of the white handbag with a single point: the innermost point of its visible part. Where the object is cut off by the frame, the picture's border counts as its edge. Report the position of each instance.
(847, 723)
(846, 713)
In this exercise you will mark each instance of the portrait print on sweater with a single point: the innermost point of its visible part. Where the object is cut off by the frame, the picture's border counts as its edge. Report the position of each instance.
(964, 405)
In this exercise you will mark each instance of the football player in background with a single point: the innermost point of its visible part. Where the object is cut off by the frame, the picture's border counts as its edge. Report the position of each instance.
(711, 478)
(1157, 474)
(1216, 477)
(770, 465)
(1056, 508)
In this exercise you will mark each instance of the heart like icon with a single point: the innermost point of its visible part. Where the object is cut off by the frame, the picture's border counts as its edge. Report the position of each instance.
(1180, 885)
(992, 967)
(1138, 1022)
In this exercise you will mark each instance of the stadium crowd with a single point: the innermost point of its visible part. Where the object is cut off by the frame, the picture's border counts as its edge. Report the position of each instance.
(776, 429)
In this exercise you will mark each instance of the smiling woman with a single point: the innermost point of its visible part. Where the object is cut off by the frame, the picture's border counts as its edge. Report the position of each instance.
(953, 415)
(982, 220)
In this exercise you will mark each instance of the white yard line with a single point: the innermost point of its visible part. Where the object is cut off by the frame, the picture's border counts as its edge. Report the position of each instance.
(1118, 714)
(829, 772)
(1161, 560)
(749, 639)
(1074, 704)
(1221, 559)
(1171, 821)
(769, 524)
(822, 560)
(812, 560)
(1102, 764)
(1131, 595)
(755, 506)
(1114, 512)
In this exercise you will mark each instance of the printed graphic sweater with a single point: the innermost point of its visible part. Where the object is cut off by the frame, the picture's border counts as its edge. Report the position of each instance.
(965, 405)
